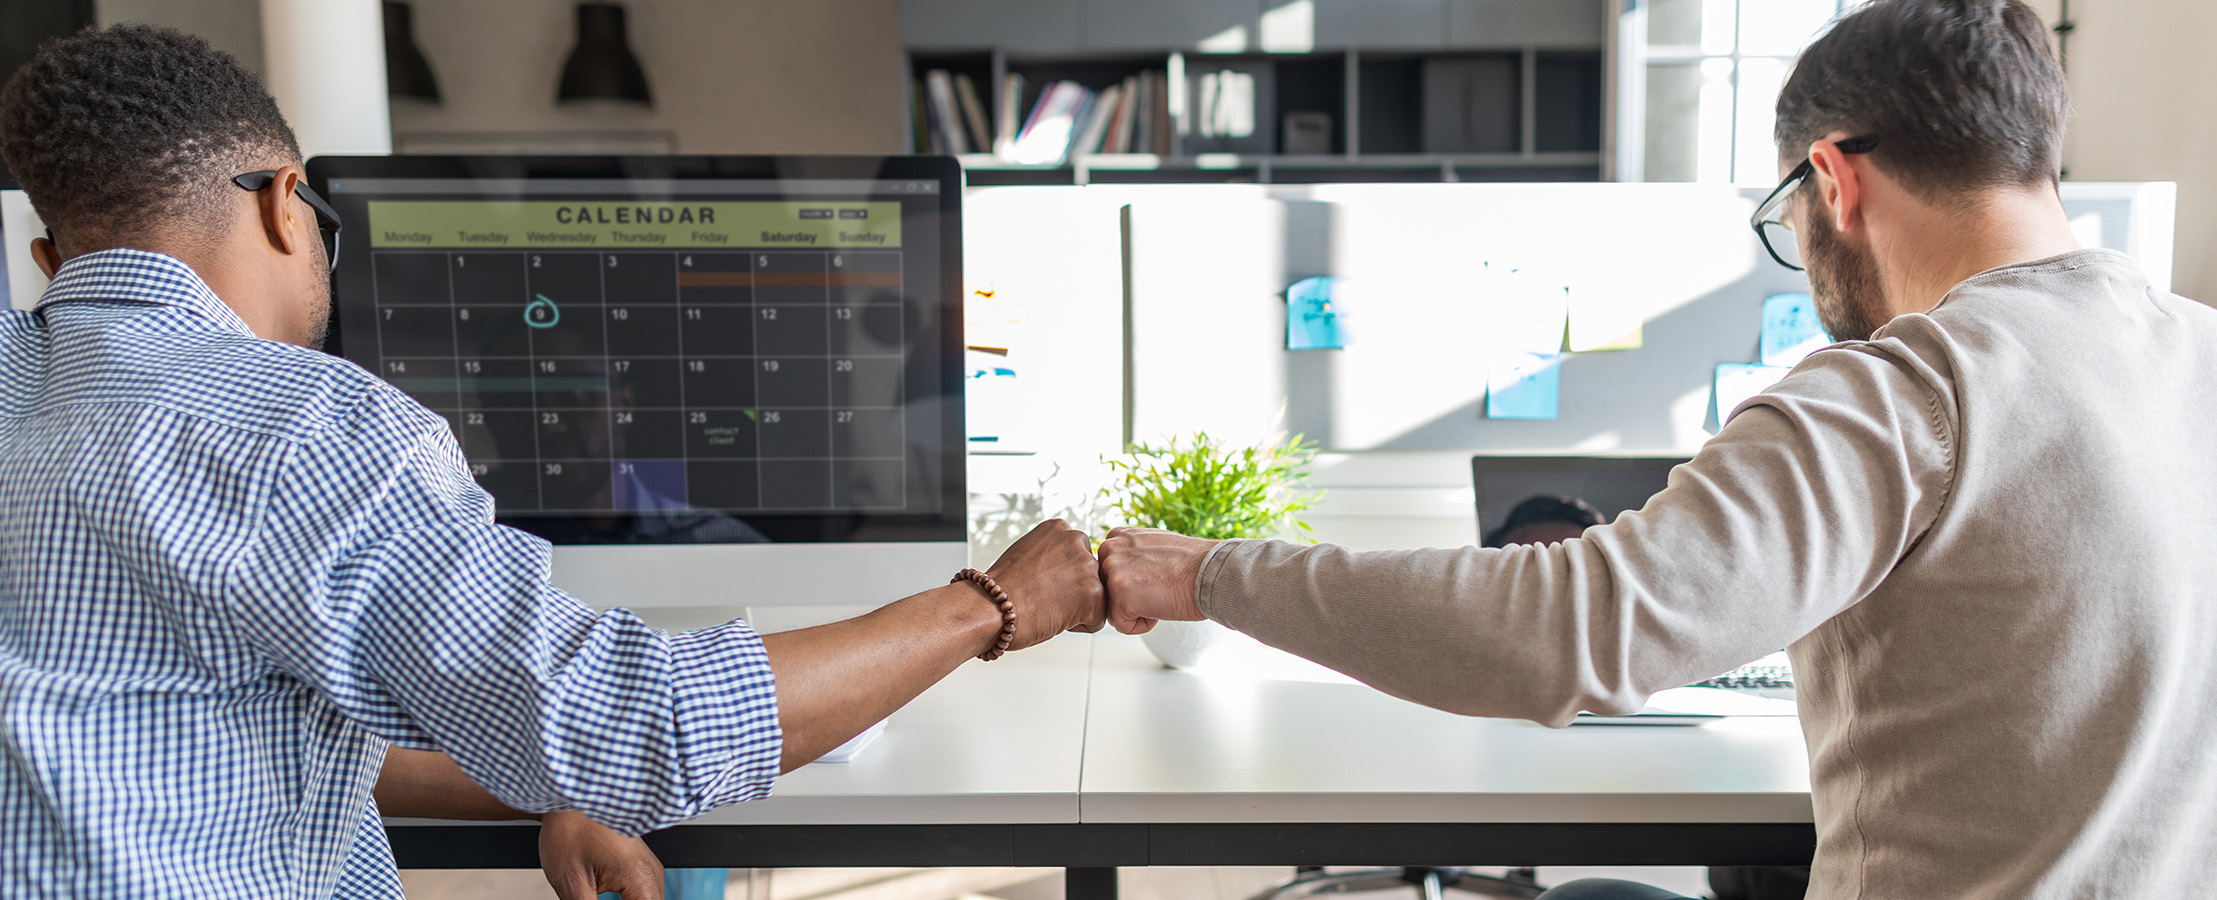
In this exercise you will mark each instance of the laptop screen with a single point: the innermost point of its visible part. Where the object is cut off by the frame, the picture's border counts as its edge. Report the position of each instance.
(1611, 485)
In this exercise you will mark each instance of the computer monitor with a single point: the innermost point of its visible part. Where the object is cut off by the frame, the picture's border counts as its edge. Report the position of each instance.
(1613, 485)
(709, 381)
(18, 225)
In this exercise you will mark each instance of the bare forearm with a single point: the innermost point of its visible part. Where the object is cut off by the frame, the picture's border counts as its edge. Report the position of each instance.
(429, 785)
(835, 680)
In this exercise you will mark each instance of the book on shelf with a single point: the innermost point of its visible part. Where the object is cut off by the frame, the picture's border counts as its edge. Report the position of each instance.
(1231, 104)
(973, 114)
(919, 128)
(1162, 130)
(1052, 128)
(946, 119)
(1119, 137)
(1151, 131)
(1069, 119)
(1097, 121)
(1012, 98)
(1142, 119)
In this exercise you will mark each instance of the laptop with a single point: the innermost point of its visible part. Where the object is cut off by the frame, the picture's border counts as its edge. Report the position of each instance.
(1605, 487)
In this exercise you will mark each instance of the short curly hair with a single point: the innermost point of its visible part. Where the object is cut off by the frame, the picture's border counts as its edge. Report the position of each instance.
(116, 131)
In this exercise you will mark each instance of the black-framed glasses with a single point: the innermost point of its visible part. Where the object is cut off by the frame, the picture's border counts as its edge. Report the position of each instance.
(1777, 235)
(327, 219)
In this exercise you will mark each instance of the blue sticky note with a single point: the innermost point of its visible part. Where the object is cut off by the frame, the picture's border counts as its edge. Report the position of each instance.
(1791, 329)
(1736, 382)
(1312, 315)
(1521, 385)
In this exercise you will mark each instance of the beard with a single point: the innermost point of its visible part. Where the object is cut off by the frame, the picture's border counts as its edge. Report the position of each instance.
(319, 308)
(1844, 282)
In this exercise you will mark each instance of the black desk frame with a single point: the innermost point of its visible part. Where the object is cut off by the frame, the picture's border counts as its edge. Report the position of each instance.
(1091, 853)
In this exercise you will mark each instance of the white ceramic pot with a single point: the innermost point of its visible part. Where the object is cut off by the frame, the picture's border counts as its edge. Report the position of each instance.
(1184, 645)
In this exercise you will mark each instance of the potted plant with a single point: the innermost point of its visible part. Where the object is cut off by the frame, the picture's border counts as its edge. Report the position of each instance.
(1203, 487)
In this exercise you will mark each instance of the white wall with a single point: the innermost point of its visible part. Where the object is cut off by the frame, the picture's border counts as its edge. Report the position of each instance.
(233, 26)
(729, 76)
(324, 62)
(2140, 71)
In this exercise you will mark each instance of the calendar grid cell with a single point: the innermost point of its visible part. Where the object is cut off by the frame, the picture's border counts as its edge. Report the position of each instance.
(741, 381)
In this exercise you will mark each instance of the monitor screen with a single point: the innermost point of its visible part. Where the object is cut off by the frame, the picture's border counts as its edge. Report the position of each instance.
(671, 350)
(19, 223)
(1612, 485)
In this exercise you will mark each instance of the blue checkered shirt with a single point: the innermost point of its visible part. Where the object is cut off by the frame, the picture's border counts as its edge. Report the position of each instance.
(233, 570)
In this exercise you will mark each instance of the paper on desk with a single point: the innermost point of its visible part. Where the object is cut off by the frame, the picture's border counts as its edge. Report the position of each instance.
(1791, 330)
(1716, 702)
(855, 745)
(1692, 705)
(1736, 382)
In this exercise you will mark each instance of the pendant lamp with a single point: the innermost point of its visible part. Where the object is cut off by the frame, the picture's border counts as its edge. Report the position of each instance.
(601, 67)
(407, 72)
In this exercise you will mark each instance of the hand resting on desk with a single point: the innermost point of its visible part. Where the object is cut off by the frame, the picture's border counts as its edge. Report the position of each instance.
(581, 857)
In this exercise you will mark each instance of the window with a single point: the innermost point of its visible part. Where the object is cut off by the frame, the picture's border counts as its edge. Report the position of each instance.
(1712, 70)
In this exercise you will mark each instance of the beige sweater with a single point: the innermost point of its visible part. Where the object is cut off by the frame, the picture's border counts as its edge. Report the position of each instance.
(1989, 540)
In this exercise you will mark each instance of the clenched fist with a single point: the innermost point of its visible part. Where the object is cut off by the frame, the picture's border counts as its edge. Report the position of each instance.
(1055, 582)
(1152, 575)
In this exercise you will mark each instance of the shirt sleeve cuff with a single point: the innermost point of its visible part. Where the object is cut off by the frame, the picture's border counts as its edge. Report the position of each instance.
(727, 714)
(1217, 598)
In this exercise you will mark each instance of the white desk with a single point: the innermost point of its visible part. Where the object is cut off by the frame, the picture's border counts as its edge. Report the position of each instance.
(996, 743)
(989, 744)
(1167, 746)
(1087, 754)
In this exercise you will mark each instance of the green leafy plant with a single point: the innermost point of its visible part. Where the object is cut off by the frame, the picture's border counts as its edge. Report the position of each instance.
(1201, 487)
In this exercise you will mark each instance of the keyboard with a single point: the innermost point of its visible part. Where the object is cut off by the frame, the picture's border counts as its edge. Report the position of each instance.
(1771, 673)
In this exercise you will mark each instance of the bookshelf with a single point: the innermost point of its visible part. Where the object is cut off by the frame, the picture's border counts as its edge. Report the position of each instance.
(1491, 113)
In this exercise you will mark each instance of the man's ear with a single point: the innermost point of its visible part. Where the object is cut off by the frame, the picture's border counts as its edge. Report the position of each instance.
(1839, 183)
(278, 214)
(48, 256)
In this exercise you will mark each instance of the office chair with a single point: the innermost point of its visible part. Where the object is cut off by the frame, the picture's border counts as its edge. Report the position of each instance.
(1431, 883)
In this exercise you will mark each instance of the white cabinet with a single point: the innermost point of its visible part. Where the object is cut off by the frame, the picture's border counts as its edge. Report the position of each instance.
(1019, 25)
(1378, 24)
(1065, 26)
(1154, 25)
(1514, 23)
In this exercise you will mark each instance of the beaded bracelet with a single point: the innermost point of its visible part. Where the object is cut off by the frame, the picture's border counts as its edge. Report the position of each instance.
(1000, 598)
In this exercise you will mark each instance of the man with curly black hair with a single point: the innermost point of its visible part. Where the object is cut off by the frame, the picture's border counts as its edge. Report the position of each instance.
(234, 571)
(132, 137)
(129, 139)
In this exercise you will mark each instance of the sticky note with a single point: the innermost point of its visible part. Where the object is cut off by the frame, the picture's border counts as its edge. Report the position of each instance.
(993, 403)
(1523, 385)
(1736, 382)
(1791, 330)
(1525, 312)
(1313, 316)
(1599, 321)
